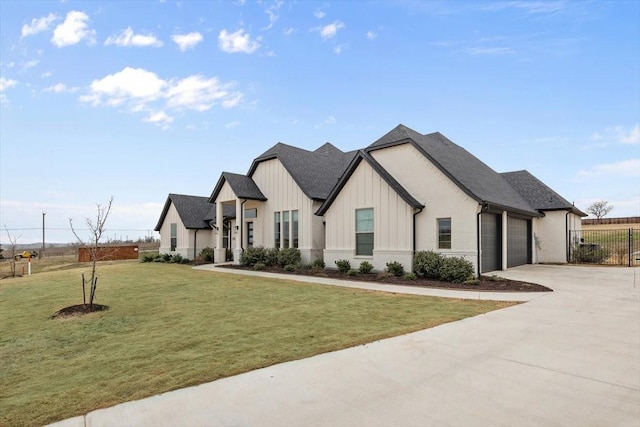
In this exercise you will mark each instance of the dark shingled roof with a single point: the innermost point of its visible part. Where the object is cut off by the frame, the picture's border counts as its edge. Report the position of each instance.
(390, 180)
(191, 209)
(243, 187)
(537, 193)
(474, 177)
(315, 172)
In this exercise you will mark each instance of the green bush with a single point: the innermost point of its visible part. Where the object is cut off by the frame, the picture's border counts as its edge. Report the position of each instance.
(318, 262)
(343, 265)
(365, 267)
(185, 261)
(456, 270)
(289, 256)
(253, 256)
(207, 254)
(166, 257)
(352, 272)
(259, 266)
(318, 271)
(271, 257)
(395, 268)
(409, 276)
(158, 259)
(290, 268)
(590, 254)
(427, 264)
(228, 254)
(473, 282)
(148, 258)
(303, 266)
(176, 259)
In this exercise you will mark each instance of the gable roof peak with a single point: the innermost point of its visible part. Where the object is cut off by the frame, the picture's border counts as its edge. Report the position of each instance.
(397, 134)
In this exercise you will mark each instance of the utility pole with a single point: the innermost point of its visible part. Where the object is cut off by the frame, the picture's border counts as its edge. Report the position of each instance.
(42, 251)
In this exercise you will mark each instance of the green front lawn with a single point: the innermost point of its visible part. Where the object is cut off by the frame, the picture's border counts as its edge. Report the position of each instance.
(171, 327)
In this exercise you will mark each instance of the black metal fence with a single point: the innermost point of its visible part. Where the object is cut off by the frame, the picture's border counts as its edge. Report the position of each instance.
(612, 247)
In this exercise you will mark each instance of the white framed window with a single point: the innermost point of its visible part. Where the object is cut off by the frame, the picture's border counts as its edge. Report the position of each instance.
(364, 232)
(174, 236)
(444, 233)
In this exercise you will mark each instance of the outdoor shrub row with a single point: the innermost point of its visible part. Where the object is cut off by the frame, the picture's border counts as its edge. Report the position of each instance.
(270, 257)
(433, 265)
(166, 258)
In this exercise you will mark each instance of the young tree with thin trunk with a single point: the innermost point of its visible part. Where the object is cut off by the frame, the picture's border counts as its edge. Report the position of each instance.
(599, 209)
(96, 228)
(13, 243)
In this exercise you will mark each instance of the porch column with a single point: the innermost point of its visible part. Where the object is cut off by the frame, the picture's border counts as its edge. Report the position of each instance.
(237, 251)
(219, 251)
(505, 247)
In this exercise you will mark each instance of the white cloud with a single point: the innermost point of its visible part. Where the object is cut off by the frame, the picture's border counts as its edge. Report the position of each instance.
(60, 88)
(330, 30)
(619, 134)
(73, 30)
(288, 31)
(6, 83)
(46, 74)
(338, 49)
(140, 91)
(490, 51)
(328, 121)
(271, 12)
(232, 124)
(130, 83)
(371, 35)
(127, 38)
(532, 7)
(319, 14)
(237, 42)
(187, 41)
(30, 64)
(196, 93)
(630, 167)
(160, 119)
(38, 25)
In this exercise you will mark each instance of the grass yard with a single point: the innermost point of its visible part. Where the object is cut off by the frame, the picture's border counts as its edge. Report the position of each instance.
(170, 327)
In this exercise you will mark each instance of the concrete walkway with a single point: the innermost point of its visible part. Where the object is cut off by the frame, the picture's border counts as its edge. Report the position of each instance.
(570, 358)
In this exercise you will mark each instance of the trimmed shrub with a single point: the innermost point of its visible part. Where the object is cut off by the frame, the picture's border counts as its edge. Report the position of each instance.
(409, 276)
(148, 258)
(304, 266)
(166, 257)
(456, 270)
(289, 256)
(259, 266)
(185, 261)
(352, 272)
(590, 253)
(290, 268)
(207, 254)
(228, 255)
(255, 255)
(427, 264)
(395, 268)
(343, 265)
(365, 267)
(318, 271)
(271, 257)
(177, 259)
(318, 262)
(472, 282)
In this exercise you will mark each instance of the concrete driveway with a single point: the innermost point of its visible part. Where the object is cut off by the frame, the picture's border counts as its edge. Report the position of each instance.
(570, 358)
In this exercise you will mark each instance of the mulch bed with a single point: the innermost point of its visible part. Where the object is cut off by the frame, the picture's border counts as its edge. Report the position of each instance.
(495, 284)
(79, 309)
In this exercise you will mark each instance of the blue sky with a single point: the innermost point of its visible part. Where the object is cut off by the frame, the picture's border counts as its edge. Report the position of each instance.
(139, 99)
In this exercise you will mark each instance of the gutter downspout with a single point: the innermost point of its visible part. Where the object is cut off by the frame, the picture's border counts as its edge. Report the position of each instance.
(414, 235)
(242, 224)
(483, 208)
(568, 233)
(195, 240)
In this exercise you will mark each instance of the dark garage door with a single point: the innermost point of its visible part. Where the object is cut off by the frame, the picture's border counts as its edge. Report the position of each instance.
(491, 227)
(518, 242)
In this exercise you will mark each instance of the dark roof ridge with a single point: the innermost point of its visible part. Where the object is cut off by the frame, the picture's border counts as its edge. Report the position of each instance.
(191, 210)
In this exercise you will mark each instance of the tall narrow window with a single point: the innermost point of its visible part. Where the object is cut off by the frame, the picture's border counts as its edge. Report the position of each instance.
(364, 231)
(294, 232)
(226, 232)
(250, 234)
(444, 233)
(174, 236)
(285, 229)
(276, 229)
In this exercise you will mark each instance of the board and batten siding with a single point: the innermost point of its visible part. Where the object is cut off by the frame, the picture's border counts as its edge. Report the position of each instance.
(284, 194)
(392, 222)
(185, 237)
(442, 199)
(550, 231)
